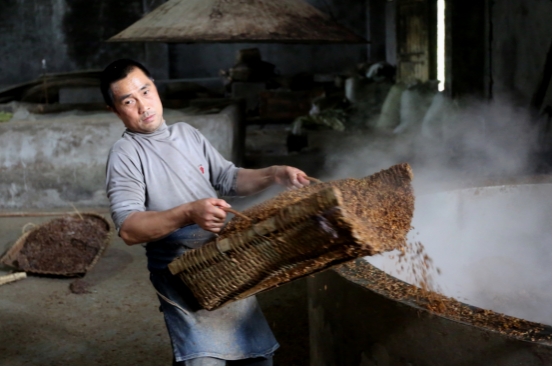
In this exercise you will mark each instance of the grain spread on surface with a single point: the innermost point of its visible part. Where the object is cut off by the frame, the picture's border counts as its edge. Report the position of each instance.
(64, 245)
(377, 280)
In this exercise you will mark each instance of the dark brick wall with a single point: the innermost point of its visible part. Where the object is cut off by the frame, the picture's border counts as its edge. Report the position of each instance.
(70, 35)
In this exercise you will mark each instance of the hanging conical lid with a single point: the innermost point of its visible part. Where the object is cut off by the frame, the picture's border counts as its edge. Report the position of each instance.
(283, 21)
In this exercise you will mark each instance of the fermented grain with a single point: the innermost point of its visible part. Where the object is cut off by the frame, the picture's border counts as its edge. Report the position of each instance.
(377, 280)
(380, 207)
(63, 245)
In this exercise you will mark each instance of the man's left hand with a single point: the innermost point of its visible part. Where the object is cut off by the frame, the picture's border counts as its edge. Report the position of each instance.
(291, 177)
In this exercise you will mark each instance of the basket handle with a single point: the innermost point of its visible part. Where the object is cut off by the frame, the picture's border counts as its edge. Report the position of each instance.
(237, 213)
(313, 179)
(27, 227)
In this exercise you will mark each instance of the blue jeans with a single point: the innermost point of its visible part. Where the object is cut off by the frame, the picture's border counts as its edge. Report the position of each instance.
(237, 331)
(209, 361)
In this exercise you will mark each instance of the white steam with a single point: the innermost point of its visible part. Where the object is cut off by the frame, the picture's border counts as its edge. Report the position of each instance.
(492, 244)
(494, 247)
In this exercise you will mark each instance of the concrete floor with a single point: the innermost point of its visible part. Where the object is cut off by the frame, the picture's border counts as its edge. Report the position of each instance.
(118, 323)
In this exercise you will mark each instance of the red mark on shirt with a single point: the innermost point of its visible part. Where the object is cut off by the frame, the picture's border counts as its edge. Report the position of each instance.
(201, 167)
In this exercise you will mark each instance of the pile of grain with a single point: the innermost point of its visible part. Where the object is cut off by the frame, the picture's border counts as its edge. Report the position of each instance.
(379, 281)
(424, 292)
(379, 208)
(65, 245)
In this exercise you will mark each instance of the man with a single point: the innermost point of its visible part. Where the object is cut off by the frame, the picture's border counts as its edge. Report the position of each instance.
(162, 182)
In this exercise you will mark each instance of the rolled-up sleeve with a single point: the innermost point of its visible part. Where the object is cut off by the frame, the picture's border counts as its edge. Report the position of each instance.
(125, 185)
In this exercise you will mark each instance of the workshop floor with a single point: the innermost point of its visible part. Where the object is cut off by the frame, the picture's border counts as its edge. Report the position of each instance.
(118, 322)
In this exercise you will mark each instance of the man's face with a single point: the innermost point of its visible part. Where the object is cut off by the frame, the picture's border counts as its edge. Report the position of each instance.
(137, 103)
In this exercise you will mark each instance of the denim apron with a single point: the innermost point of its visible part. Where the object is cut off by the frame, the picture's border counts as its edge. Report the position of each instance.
(235, 331)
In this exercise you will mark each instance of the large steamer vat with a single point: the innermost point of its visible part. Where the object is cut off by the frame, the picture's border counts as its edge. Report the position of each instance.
(493, 246)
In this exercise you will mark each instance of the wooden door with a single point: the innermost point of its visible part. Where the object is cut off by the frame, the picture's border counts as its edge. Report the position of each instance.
(416, 40)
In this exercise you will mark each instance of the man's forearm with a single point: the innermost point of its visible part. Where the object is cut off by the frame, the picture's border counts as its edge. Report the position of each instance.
(252, 181)
(141, 227)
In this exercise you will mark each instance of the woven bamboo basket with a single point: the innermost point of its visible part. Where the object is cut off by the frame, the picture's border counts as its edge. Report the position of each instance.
(298, 233)
(13, 258)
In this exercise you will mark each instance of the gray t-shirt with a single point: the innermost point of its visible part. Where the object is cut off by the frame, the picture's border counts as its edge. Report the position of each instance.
(161, 170)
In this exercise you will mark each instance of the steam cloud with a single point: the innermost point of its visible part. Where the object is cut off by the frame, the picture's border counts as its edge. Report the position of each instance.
(494, 245)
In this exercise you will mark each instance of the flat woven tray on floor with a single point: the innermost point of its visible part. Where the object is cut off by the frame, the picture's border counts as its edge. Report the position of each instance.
(38, 251)
(298, 233)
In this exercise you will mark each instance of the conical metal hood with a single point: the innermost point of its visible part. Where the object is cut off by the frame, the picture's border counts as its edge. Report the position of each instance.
(282, 21)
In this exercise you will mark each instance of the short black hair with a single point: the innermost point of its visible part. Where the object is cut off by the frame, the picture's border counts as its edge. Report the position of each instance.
(118, 70)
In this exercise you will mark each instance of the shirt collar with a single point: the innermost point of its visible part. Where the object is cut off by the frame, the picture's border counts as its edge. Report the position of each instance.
(161, 133)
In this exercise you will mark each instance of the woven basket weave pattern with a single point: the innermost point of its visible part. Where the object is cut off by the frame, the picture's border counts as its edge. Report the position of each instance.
(299, 233)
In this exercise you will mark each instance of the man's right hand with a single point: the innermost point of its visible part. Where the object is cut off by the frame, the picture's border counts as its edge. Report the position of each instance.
(207, 213)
